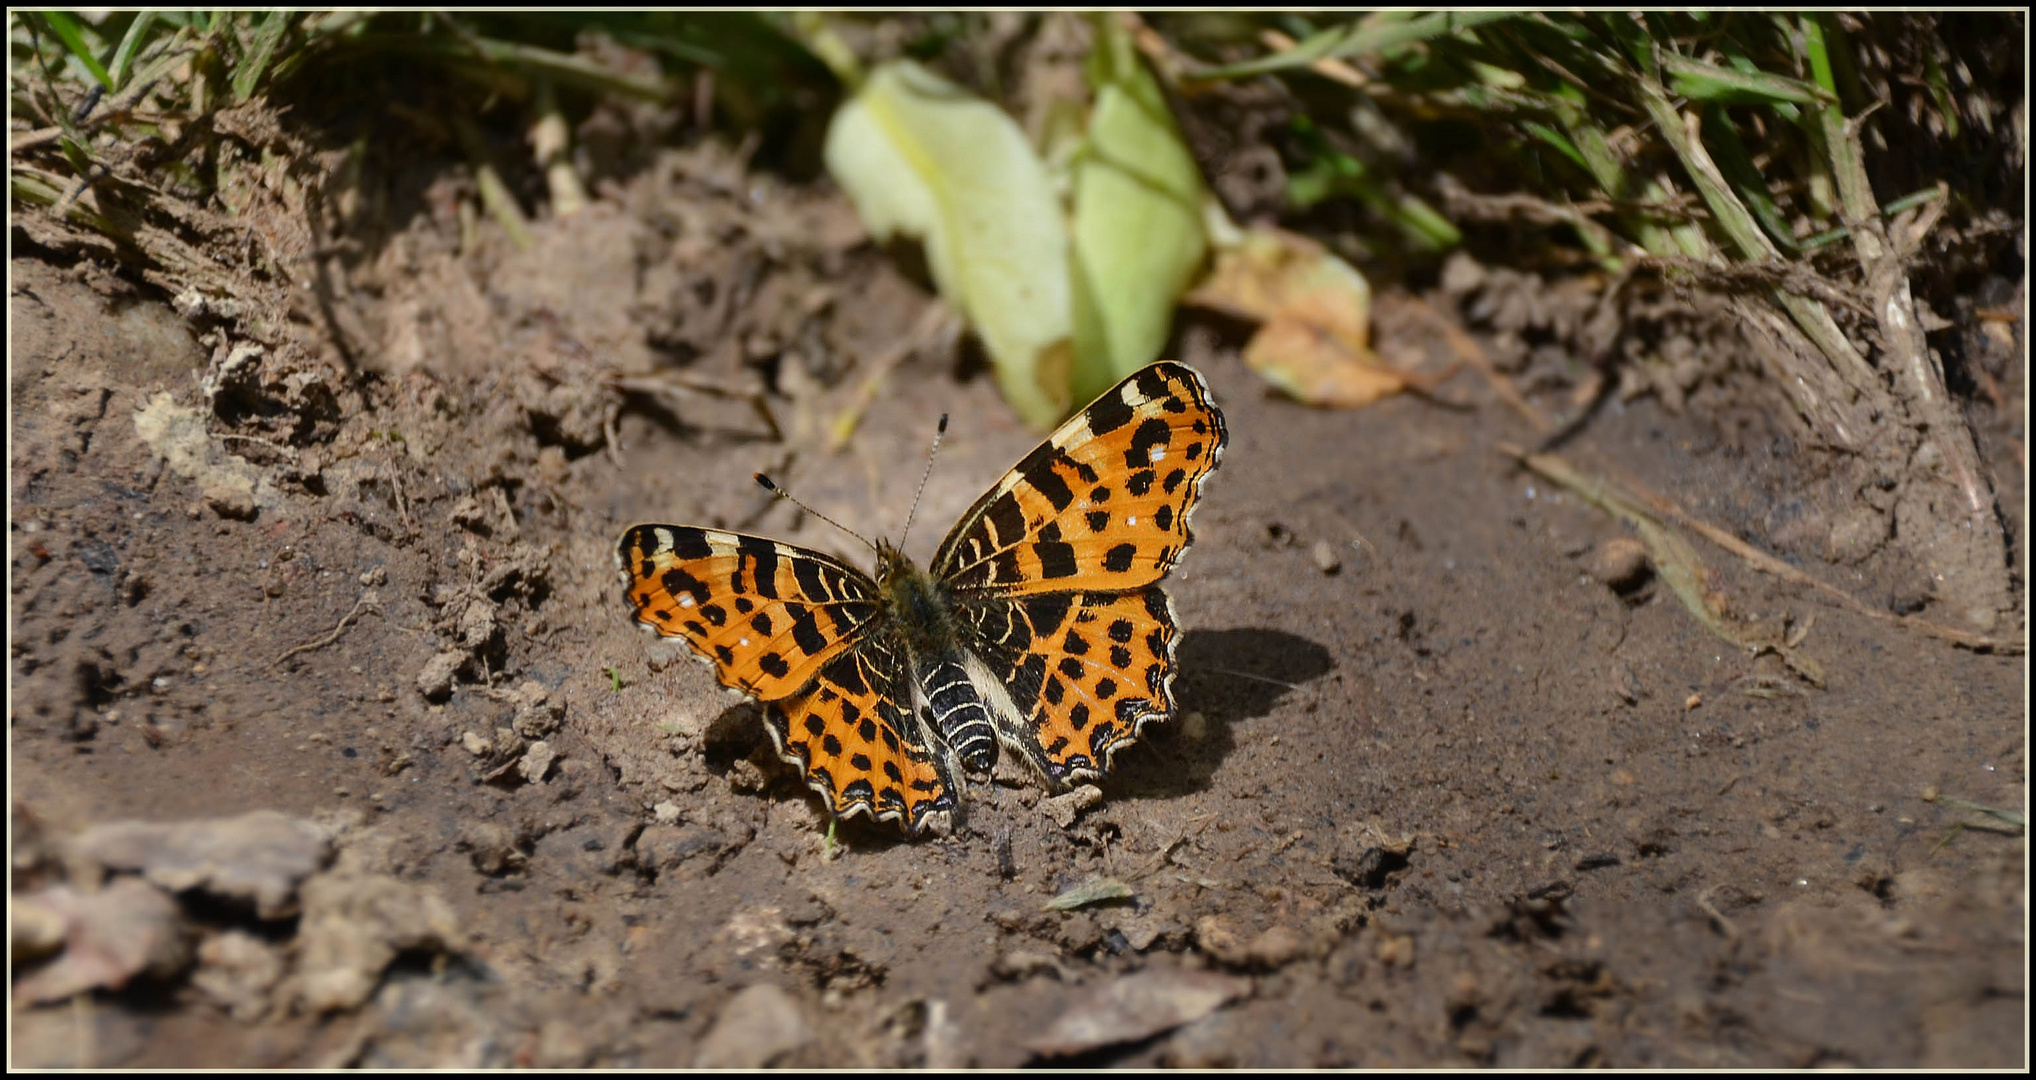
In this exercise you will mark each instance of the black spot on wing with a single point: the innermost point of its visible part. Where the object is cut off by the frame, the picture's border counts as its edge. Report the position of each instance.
(1043, 477)
(806, 633)
(1048, 612)
(1109, 413)
(1056, 560)
(765, 554)
(812, 583)
(1152, 384)
(677, 583)
(1151, 434)
(690, 543)
(1155, 606)
(1007, 521)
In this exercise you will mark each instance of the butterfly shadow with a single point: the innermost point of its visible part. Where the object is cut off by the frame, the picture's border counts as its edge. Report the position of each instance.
(1225, 676)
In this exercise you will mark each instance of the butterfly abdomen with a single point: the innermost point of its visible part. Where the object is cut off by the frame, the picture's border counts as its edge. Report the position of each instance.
(956, 713)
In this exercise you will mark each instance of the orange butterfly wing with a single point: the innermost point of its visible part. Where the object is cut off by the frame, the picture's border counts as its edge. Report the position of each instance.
(857, 744)
(800, 632)
(1103, 503)
(766, 615)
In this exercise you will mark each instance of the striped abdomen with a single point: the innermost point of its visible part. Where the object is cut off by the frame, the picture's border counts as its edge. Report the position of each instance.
(957, 714)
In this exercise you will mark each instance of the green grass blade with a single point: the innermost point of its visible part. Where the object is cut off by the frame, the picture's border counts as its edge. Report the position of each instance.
(267, 35)
(1353, 40)
(1729, 151)
(137, 32)
(72, 35)
(1700, 81)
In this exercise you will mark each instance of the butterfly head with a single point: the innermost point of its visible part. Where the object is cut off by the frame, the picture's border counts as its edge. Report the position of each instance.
(892, 566)
(915, 604)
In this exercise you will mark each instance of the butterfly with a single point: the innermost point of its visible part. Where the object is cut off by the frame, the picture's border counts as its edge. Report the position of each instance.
(1040, 626)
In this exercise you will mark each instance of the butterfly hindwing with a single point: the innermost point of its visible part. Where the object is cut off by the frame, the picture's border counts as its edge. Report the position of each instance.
(1103, 503)
(766, 615)
(856, 742)
(1083, 673)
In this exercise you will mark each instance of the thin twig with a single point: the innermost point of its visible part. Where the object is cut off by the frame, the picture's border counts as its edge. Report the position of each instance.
(402, 501)
(672, 385)
(34, 138)
(1327, 67)
(1725, 925)
(368, 599)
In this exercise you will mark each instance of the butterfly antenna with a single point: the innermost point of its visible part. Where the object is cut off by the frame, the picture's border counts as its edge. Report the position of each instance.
(771, 486)
(930, 455)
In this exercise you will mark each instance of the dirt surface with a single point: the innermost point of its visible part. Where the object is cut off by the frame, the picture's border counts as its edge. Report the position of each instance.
(1454, 781)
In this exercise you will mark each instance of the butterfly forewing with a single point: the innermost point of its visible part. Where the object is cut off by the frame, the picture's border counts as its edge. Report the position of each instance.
(766, 615)
(1103, 503)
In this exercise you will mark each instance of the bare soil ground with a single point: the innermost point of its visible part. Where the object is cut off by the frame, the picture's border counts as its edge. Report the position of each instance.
(1438, 795)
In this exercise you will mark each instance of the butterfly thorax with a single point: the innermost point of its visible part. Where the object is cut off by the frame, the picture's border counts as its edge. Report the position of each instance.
(919, 611)
(914, 604)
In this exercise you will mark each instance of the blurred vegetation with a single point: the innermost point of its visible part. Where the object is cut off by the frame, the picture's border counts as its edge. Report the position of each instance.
(129, 102)
(1807, 121)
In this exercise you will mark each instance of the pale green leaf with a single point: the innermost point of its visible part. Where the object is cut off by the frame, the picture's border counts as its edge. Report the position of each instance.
(922, 158)
(1138, 233)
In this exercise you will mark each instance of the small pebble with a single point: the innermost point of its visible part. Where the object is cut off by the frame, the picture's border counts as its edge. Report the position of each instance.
(1619, 564)
(1325, 557)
